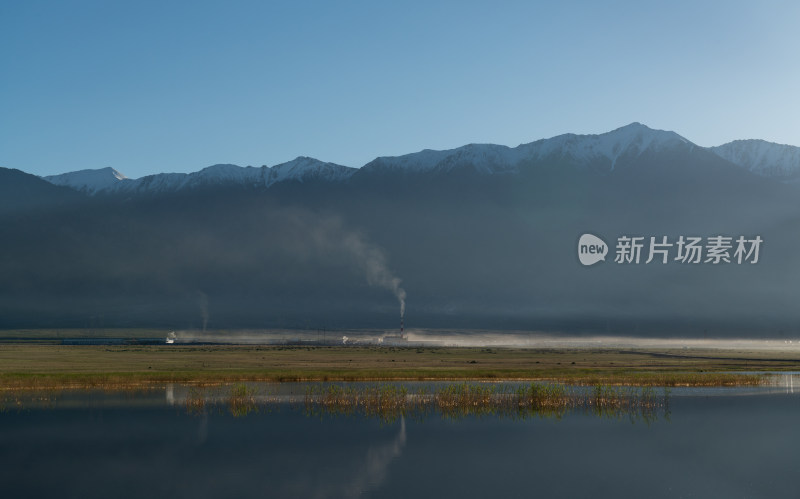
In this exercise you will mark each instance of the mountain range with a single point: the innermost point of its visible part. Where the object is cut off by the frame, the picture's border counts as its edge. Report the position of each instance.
(600, 152)
(481, 237)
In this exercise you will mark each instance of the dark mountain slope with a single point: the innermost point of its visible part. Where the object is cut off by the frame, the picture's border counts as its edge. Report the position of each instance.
(21, 192)
(478, 250)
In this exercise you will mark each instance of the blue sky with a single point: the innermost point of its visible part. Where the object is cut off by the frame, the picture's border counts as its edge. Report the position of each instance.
(171, 86)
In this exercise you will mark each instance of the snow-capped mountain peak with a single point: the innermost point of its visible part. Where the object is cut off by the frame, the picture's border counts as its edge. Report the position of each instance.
(628, 141)
(304, 168)
(89, 181)
(767, 159)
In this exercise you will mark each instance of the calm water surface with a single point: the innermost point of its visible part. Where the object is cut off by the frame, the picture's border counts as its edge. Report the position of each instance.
(708, 443)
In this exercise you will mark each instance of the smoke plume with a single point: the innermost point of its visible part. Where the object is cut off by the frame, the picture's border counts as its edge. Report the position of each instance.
(331, 236)
(375, 267)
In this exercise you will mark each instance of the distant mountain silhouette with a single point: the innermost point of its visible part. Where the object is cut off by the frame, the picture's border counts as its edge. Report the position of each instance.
(482, 236)
(20, 192)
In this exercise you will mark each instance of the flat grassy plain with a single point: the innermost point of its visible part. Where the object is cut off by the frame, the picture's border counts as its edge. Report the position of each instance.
(26, 365)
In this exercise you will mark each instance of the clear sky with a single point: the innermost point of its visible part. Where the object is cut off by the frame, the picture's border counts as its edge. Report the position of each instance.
(174, 86)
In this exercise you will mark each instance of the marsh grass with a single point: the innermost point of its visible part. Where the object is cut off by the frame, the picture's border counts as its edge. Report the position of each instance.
(242, 400)
(386, 402)
(238, 400)
(134, 381)
(662, 379)
(195, 401)
(459, 400)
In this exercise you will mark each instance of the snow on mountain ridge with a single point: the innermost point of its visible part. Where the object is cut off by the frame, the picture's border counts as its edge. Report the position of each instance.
(767, 159)
(304, 168)
(300, 169)
(89, 181)
(483, 158)
(602, 151)
(631, 139)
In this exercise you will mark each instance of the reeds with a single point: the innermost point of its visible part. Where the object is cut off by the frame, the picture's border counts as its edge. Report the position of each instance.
(242, 401)
(391, 401)
(195, 401)
(373, 400)
(133, 381)
(477, 399)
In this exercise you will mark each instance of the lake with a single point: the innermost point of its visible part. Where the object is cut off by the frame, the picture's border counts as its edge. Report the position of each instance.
(187, 442)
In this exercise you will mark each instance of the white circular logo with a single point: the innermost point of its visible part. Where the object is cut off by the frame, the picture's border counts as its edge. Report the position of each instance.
(591, 249)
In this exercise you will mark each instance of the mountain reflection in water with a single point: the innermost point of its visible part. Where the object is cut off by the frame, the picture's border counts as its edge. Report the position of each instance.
(715, 442)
